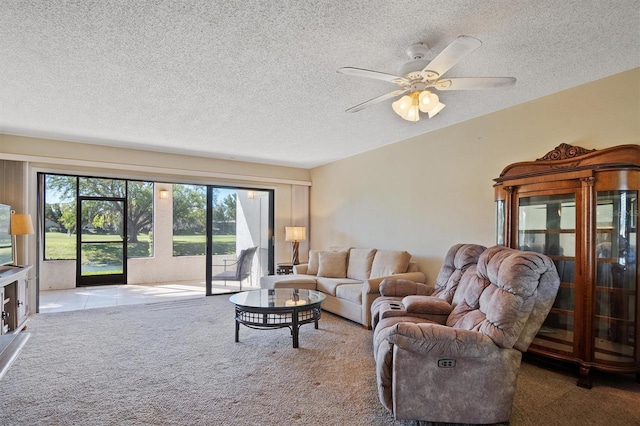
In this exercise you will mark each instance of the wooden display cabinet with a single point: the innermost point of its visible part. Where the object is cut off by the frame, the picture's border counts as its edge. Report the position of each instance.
(580, 207)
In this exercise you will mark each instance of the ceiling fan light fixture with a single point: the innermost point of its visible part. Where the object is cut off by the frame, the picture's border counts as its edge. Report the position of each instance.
(409, 106)
(402, 105)
(428, 101)
(413, 114)
(436, 109)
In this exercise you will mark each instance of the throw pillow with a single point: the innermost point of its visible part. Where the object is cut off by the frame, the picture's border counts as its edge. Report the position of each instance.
(314, 262)
(333, 264)
(360, 261)
(387, 262)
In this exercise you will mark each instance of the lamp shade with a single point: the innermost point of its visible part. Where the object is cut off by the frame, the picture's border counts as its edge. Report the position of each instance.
(295, 233)
(428, 101)
(21, 224)
(436, 110)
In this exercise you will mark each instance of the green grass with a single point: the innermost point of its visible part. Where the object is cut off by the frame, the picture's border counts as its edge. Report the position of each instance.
(195, 245)
(60, 246)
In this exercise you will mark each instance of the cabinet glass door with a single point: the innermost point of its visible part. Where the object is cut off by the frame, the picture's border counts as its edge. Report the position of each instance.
(616, 276)
(547, 224)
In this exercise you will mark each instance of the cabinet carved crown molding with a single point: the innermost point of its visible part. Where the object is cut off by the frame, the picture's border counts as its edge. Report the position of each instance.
(564, 151)
(566, 158)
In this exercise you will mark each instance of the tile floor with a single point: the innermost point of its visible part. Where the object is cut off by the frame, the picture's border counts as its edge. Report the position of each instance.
(126, 294)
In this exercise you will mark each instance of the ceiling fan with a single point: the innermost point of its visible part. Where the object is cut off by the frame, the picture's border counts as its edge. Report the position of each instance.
(420, 74)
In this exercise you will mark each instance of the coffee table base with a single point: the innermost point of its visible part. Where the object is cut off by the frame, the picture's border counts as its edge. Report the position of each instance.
(290, 317)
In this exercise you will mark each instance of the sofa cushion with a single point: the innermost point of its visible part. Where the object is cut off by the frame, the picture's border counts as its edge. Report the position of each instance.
(329, 285)
(350, 292)
(332, 264)
(314, 262)
(314, 258)
(388, 262)
(360, 261)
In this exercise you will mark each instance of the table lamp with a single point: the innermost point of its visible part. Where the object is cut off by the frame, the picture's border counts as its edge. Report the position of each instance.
(295, 234)
(21, 224)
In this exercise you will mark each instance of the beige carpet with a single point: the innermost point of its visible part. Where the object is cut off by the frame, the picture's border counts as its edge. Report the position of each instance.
(176, 363)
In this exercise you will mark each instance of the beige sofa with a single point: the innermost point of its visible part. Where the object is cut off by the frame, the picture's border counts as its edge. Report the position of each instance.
(350, 278)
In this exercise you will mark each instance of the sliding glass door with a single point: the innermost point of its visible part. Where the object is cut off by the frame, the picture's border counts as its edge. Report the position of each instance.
(239, 243)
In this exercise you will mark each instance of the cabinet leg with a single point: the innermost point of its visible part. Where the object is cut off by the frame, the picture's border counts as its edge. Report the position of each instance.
(584, 381)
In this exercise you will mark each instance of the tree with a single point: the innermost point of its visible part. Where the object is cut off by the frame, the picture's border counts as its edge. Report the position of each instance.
(140, 204)
(189, 208)
(139, 200)
(60, 191)
(68, 217)
(53, 213)
(229, 207)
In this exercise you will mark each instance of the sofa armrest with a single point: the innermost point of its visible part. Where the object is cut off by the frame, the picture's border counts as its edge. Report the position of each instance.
(400, 288)
(372, 285)
(300, 269)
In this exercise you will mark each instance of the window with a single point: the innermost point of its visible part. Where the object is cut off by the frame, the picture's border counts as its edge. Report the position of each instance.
(60, 204)
(60, 217)
(139, 219)
(189, 220)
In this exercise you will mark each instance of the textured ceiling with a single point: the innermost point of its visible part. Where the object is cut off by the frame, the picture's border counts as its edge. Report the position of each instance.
(256, 80)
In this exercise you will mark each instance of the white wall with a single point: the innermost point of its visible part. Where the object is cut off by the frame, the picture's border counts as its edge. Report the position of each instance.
(432, 191)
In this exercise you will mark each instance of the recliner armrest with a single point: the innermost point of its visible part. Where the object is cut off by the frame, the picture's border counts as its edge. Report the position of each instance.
(440, 340)
(426, 305)
(401, 287)
(372, 285)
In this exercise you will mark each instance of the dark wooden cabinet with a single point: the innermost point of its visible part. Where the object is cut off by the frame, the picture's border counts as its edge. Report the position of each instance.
(580, 207)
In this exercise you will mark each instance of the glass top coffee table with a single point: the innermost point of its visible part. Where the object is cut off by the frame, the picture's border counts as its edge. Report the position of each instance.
(277, 308)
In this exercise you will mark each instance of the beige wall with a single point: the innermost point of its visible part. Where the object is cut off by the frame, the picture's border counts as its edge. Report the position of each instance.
(432, 191)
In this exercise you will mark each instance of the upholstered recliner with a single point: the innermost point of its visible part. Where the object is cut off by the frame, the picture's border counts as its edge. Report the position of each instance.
(393, 291)
(465, 370)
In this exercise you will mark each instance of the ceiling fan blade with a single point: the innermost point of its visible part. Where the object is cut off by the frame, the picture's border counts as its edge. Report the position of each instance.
(377, 99)
(475, 83)
(451, 55)
(359, 72)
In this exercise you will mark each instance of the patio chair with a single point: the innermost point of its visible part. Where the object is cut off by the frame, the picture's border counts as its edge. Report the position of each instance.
(242, 270)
